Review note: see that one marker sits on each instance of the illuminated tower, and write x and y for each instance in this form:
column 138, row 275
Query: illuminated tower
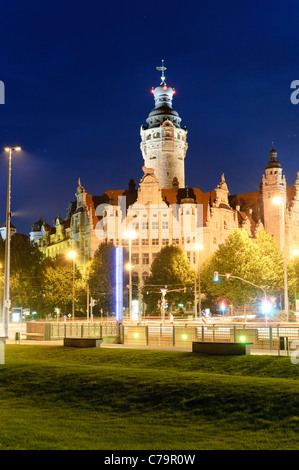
column 274, row 187
column 163, row 141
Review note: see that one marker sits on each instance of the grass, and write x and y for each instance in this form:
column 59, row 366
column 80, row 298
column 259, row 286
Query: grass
column 104, row 398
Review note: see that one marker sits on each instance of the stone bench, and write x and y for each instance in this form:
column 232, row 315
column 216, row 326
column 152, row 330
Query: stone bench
column 221, row 349
column 82, row 342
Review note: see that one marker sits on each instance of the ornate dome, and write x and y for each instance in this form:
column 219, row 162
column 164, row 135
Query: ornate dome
column 273, row 163
column 163, row 108
column 163, row 111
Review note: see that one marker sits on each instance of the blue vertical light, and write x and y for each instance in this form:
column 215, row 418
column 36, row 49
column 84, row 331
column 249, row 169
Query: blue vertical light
column 119, row 283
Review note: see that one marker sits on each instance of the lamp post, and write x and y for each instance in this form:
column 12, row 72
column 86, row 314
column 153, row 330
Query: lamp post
column 198, row 248
column 6, row 299
column 280, row 201
column 72, row 254
column 130, row 234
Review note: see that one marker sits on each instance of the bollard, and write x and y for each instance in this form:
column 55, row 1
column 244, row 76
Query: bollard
column 235, row 334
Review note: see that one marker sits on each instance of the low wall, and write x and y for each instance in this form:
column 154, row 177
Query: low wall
column 221, row 349
column 82, row 342
column 37, row 330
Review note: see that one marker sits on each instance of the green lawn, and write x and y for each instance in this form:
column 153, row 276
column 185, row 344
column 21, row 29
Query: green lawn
column 120, row 399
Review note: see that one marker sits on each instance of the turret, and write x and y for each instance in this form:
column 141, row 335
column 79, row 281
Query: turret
column 163, row 141
column 274, row 190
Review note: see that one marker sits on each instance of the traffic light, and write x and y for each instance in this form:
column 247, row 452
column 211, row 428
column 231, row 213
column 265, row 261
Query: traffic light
column 216, row 276
column 266, row 306
column 222, row 306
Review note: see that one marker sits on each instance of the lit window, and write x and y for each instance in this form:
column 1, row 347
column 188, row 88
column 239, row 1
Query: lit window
column 135, row 259
column 145, row 258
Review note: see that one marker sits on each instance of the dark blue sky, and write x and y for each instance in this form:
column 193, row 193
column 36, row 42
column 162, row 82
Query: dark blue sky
column 78, row 77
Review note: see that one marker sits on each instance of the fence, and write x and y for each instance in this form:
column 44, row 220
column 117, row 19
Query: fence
column 261, row 336
column 61, row 330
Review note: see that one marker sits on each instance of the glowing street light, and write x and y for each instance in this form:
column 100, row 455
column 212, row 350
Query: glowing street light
column 266, row 308
column 72, row 255
column 130, row 234
column 6, row 299
column 277, row 200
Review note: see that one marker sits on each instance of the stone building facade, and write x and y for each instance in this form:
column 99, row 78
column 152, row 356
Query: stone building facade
column 162, row 210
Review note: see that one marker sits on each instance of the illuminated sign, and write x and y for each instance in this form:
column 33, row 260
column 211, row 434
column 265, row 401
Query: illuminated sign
column 119, row 283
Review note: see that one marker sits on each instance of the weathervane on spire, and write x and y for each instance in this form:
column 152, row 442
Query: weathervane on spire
column 162, row 69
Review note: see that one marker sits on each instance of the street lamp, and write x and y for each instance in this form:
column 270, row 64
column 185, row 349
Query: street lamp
column 130, row 234
column 280, row 201
column 198, row 249
column 6, row 299
column 72, row 255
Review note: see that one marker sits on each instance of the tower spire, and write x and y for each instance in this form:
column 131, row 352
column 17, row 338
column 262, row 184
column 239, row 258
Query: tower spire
column 162, row 69
column 163, row 142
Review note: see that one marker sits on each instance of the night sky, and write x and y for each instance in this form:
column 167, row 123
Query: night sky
column 78, row 77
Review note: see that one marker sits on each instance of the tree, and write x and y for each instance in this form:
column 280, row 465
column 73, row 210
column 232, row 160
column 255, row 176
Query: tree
column 57, row 287
column 170, row 268
column 270, row 267
column 259, row 262
column 25, row 271
column 101, row 277
column 293, row 279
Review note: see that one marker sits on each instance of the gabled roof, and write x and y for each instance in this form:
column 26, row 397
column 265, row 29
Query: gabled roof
column 11, row 225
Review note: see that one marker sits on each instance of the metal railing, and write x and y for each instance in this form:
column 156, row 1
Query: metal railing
column 262, row 337
column 62, row 330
